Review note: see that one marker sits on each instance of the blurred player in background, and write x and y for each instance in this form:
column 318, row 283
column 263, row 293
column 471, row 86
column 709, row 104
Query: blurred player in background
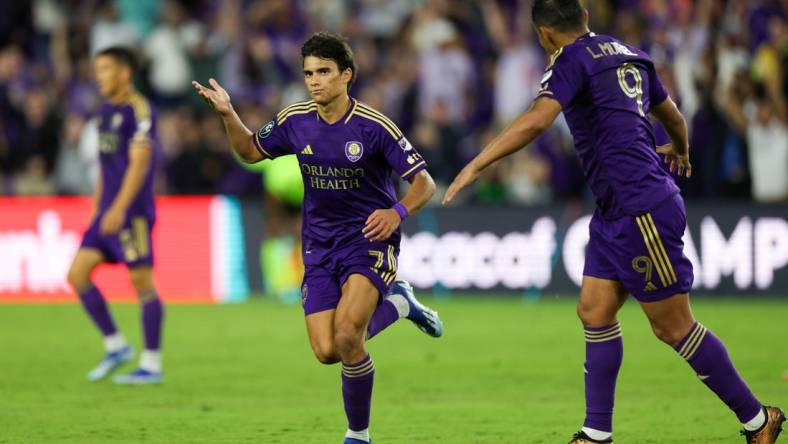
column 124, row 213
column 351, row 216
column 280, row 249
column 606, row 90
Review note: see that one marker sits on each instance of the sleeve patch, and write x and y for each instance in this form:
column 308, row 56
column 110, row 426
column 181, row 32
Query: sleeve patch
column 143, row 126
column 266, row 130
column 142, row 134
column 547, row 76
column 405, row 144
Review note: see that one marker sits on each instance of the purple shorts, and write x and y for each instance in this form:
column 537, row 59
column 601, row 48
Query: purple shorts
column 131, row 245
column 322, row 285
column 644, row 253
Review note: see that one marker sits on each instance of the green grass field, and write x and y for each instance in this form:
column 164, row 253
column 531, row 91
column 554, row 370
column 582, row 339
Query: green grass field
column 505, row 372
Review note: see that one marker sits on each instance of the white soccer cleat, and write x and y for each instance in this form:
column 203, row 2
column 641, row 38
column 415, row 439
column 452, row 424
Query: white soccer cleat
column 111, row 362
column 139, row 376
column 425, row 318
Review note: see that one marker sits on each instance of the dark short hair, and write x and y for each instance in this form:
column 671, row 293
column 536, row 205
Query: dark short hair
column 331, row 47
column 122, row 55
column 563, row 15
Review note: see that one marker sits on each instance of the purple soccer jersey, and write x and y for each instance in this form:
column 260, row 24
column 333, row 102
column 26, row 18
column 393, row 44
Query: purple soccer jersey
column 606, row 90
column 346, row 167
column 120, row 125
column 347, row 171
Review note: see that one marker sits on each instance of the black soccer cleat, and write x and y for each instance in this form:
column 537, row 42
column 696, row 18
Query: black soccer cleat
column 581, row 438
column 770, row 429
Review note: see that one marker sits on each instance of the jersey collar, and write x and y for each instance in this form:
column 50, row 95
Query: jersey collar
column 345, row 117
column 587, row 35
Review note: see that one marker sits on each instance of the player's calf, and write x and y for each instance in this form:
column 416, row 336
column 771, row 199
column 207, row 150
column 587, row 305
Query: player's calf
column 357, row 381
column 707, row 356
column 150, row 366
column 358, row 374
column 96, row 307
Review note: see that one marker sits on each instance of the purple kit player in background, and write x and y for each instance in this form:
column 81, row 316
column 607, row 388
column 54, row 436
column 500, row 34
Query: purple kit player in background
column 347, row 152
column 606, row 90
column 124, row 213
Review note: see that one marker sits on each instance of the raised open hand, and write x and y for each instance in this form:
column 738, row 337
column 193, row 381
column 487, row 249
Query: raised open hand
column 216, row 97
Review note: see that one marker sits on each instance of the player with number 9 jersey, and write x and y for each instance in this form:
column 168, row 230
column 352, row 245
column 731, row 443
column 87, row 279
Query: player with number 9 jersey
column 606, row 89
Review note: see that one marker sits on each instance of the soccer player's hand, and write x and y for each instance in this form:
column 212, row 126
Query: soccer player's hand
column 467, row 176
column 216, row 97
column 678, row 162
column 380, row 224
column 112, row 221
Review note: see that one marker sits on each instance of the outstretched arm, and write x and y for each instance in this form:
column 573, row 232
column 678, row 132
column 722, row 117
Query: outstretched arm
column 520, row 133
column 381, row 223
column 677, row 152
column 239, row 135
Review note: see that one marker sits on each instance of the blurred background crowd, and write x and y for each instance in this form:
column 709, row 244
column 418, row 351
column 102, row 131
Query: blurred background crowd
column 451, row 73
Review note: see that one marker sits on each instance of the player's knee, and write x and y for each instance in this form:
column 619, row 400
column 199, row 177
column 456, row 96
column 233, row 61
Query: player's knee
column 324, row 350
column 78, row 280
column 326, row 355
column 142, row 283
column 150, row 296
column 667, row 334
column 590, row 314
column 584, row 312
column 348, row 337
column 594, row 315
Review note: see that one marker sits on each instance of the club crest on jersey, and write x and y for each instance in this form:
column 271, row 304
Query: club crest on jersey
column 404, row 144
column 354, row 150
column 117, row 120
column 266, row 130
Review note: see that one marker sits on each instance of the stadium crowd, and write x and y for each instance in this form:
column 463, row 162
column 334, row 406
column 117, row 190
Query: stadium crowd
column 451, row 73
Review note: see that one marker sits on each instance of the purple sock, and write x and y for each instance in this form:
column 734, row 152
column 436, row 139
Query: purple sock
column 707, row 356
column 385, row 315
column 604, row 352
column 152, row 317
column 96, row 306
column 357, row 392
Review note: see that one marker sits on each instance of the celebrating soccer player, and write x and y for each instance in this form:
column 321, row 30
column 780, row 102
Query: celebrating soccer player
column 124, row 213
column 346, row 151
column 607, row 90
